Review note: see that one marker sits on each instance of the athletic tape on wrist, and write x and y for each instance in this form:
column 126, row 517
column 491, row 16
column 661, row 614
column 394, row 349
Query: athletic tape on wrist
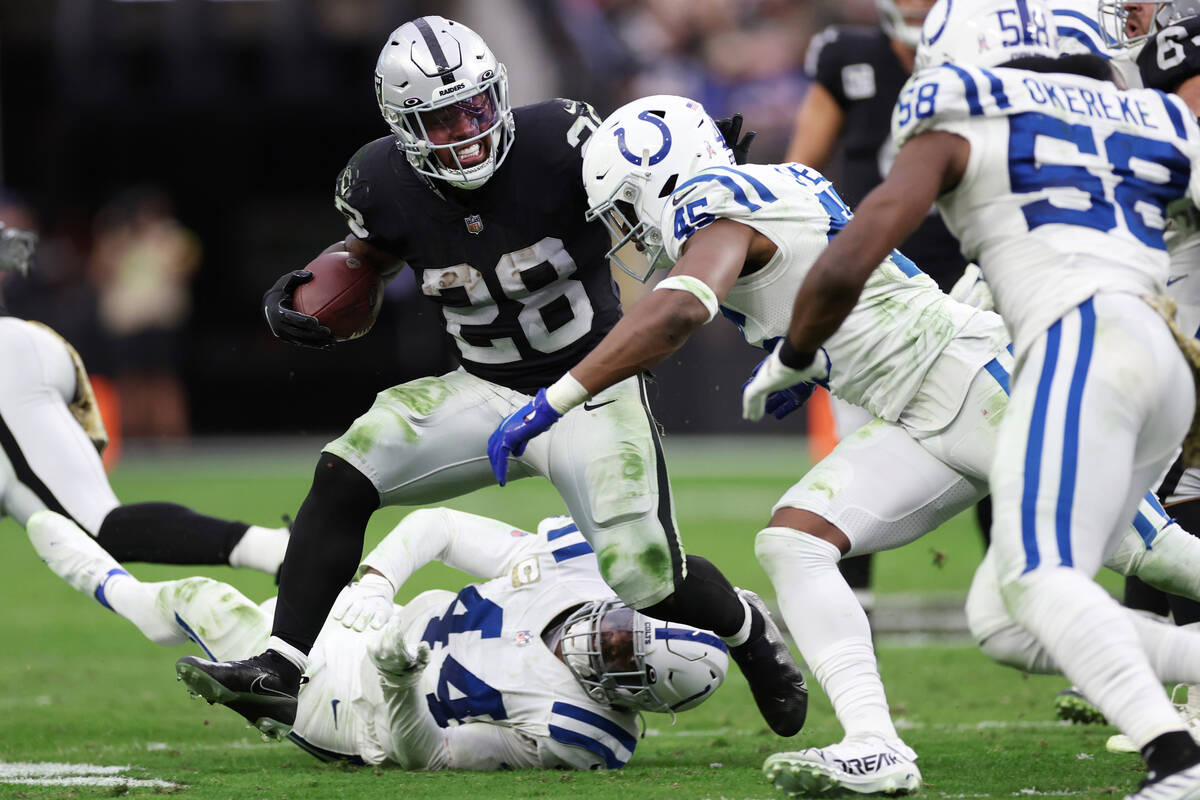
column 695, row 287
column 566, row 393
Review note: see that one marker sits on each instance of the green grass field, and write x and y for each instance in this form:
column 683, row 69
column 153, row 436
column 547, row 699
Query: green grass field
column 79, row 686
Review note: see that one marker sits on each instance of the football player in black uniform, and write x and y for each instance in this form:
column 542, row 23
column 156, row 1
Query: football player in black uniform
column 486, row 205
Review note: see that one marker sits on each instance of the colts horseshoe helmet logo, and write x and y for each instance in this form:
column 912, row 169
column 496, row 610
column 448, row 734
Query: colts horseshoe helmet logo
column 653, row 119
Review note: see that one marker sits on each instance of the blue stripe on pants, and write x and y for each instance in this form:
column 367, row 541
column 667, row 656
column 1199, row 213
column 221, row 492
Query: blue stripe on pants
column 1033, row 449
column 1070, row 456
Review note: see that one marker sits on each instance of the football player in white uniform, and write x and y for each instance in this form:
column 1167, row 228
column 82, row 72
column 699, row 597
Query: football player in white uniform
column 51, row 438
column 540, row 666
column 933, row 371
column 1057, row 186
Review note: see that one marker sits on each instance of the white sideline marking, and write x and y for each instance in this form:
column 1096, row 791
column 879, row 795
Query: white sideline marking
column 49, row 773
column 94, row 780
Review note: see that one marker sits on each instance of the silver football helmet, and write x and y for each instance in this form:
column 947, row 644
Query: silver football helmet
column 637, row 157
column 445, row 97
column 902, row 24
column 625, row 659
column 986, row 33
column 1148, row 20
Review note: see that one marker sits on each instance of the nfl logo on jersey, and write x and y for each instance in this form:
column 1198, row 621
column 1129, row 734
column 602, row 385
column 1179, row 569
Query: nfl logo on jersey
column 474, row 223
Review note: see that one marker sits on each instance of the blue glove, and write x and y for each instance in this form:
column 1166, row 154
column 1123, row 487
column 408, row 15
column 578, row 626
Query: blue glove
column 782, row 402
column 514, row 433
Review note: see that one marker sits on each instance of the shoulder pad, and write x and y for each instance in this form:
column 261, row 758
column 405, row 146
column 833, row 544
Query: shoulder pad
column 715, row 192
column 944, row 94
column 817, row 45
column 1172, row 56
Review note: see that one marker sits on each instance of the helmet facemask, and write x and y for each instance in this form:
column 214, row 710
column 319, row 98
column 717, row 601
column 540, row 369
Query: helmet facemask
column 437, row 137
column 1114, row 19
column 604, row 645
column 901, row 24
column 625, row 225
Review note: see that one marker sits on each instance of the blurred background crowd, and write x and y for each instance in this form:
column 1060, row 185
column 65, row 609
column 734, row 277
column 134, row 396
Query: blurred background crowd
column 176, row 156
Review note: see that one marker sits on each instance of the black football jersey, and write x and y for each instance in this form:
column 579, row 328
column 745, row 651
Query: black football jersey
column 859, row 68
column 523, row 281
column 1172, row 56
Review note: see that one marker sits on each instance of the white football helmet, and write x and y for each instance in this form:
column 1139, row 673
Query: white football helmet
column 902, row 24
column 625, row 659
column 445, row 97
column 986, row 33
column 1114, row 16
column 636, row 159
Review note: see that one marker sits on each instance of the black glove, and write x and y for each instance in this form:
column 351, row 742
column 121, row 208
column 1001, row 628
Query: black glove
column 731, row 128
column 289, row 324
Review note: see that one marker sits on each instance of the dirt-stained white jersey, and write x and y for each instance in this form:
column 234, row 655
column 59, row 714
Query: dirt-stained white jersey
column 488, row 662
column 1067, row 185
column 903, row 332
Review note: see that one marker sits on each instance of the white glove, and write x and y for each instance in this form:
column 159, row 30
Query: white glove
column 773, row 375
column 973, row 290
column 392, row 656
column 367, row 602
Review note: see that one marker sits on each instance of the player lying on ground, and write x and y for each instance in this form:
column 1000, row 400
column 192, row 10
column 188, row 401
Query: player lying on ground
column 1063, row 206
column 482, row 204
column 51, row 438
column 541, row 666
column 934, row 372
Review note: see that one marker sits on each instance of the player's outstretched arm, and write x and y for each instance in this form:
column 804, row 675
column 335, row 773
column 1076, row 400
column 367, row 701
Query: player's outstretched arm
column 478, row 546
column 655, row 327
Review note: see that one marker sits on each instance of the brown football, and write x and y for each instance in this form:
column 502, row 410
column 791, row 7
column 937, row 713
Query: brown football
column 344, row 298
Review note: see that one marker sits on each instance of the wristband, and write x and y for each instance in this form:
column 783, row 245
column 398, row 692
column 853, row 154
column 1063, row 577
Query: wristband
column 566, row 393
column 792, row 358
column 695, row 287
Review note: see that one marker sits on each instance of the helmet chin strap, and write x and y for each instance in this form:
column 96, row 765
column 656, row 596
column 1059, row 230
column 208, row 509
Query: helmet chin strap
column 462, row 179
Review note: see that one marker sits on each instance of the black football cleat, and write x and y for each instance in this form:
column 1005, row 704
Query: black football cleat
column 774, row 677
column 262, row 689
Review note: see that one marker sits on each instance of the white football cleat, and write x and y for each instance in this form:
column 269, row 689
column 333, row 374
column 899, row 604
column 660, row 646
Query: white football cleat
column 1189, row 713
column 1182, row 785
column 867, row 765
column 72, row 554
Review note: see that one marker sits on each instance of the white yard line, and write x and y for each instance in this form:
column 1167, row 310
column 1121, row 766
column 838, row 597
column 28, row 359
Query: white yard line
column 49, row 773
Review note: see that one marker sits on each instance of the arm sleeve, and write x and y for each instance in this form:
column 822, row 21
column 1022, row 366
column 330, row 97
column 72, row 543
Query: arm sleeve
column 476, row 545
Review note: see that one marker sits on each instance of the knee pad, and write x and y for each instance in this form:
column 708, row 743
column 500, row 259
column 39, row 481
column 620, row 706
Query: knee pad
column 216, row 616
column 778, row 548
column 641, row 572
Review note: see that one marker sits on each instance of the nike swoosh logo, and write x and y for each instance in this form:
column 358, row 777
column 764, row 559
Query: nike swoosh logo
column 1175, row 279
column 587, row 407
column 334, row 703
column 600, row 177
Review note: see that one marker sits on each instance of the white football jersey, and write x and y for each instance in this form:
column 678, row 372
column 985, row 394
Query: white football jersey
column 1066, row 187
column 488, row 662
column 904, row 335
